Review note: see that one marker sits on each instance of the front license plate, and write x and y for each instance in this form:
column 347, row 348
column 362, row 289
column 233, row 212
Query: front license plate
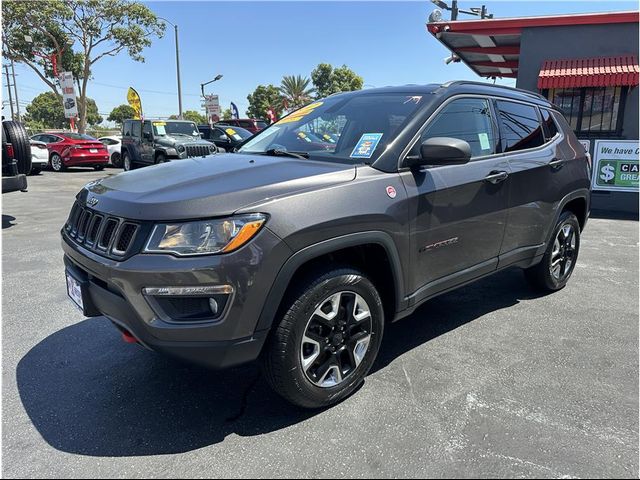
column 93, row 150
column 74, row 290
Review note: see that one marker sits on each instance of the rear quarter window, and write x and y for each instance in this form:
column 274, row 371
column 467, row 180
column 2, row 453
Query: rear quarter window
column 549, row 124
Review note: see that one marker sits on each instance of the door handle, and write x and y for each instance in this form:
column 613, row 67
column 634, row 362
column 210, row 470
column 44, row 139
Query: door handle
column 496, row 177
column 556, row 163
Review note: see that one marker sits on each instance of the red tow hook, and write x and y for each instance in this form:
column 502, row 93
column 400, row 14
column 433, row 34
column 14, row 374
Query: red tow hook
column 128, row 338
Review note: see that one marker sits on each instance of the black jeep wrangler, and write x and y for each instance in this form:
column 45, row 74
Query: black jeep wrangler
column 16, row 157
column 150, row 142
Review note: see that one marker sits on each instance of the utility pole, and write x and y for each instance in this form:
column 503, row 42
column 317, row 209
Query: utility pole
column 6, row 72
column 15, row 89
column 178, row 74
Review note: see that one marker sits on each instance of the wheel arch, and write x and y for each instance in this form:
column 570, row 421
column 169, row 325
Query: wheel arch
column 341, row 247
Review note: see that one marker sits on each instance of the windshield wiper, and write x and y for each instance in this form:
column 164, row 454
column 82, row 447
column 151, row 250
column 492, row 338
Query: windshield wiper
column 274, row 152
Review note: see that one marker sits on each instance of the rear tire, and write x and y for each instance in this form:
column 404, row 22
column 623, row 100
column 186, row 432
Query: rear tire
column 326, row 339
column 57, row 165
column 559, row 260
column 18, row 138
column 35, row 171
column 116, row 160
column 127, row 163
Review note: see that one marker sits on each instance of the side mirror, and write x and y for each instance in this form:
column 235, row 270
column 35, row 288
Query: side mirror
column 201, row 135
column 147, row 135
column 440, row 151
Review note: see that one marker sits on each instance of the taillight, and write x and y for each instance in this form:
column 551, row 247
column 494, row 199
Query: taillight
column 10, row 151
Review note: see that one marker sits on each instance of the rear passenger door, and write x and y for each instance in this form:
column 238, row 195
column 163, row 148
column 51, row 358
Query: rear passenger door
column 536, row 175
column 458, row 212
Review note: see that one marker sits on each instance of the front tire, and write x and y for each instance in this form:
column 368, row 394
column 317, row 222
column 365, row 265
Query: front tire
column 161, row 158
column 57, row 165
column 327, row 338
column 557, row 264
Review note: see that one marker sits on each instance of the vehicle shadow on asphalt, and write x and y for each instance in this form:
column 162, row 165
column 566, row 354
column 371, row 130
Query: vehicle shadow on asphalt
column 88, row 393
column 7, row 221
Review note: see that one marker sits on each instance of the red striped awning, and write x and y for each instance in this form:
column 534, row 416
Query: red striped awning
column 590, row 72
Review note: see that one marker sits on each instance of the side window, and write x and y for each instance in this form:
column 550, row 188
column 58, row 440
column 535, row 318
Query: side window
column 520, row 126
column 550, row 127
column 246, row 124
column 53, row 139
column 218, row 134
column 37, row 138
column 468, row 119
column 146, row 129
column 126, row 128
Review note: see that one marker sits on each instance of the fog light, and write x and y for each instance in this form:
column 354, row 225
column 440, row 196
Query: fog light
column 213, row 305
column 189, row 304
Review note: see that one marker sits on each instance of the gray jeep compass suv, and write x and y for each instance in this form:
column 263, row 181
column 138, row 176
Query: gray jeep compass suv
column 344, row 215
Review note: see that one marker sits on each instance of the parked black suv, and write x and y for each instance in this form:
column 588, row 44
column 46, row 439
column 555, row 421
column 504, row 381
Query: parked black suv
column 226, row 138
column 150, row 142
column 299, row 257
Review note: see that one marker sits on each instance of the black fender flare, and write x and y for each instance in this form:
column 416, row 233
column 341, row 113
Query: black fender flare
column 284, row 276
column 584, row 194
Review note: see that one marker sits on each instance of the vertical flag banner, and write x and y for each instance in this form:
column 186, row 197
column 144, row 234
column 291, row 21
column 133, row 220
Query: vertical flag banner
column 68, row 95
column 234, row 111
column 134, row 102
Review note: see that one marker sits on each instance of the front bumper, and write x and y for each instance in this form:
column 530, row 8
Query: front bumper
column 115, row 290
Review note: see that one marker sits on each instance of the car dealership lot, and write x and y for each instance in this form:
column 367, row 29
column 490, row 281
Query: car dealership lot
column 490, row 380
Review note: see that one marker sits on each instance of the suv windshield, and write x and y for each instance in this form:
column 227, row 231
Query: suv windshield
column 354, row 129
column 175, row 128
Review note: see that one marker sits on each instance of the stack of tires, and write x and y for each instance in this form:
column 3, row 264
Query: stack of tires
column 16, row 156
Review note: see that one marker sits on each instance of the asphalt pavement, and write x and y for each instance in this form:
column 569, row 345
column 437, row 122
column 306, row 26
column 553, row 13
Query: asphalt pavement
column 489, row 381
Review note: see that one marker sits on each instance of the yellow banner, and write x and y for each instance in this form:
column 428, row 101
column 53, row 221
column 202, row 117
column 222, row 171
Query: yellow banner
column 134, row 102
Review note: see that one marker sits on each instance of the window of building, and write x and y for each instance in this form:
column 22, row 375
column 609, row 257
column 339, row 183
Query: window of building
column 520, row 126
column 591, row 111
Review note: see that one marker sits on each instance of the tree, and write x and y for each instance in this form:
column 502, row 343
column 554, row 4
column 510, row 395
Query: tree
column 97, row 28
column 46, row 110
column 227, row 114
column 192, row 116
column 328, row 80
column 121, row 113
column 262, row 99
column 295, row 91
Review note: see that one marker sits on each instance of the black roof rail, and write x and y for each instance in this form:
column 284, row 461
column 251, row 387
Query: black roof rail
column 484, row 84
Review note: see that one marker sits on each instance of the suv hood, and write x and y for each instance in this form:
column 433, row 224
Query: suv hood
column 171, row 141
column 210, row 186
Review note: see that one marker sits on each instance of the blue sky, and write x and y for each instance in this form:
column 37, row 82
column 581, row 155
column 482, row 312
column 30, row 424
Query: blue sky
column 254, row 43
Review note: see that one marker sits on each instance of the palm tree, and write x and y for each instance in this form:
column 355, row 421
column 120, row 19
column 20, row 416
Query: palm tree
column 295, row 91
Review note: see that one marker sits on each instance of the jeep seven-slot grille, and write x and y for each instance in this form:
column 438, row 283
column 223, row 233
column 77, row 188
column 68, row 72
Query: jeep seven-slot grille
column 197, row 150
column 103, row 234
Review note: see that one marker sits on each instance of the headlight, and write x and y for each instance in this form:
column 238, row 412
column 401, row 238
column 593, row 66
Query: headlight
column 212, row 148
column 205, row 236
column 181, row 148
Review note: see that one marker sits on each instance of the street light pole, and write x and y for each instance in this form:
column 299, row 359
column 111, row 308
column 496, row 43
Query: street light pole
column 15, row 89
column 175, row 30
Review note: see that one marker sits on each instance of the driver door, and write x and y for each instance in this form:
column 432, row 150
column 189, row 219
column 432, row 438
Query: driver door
column 458, row 213
column 146, row 146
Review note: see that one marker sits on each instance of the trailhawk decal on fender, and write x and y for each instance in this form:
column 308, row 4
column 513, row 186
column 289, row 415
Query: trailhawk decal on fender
column 443, row 243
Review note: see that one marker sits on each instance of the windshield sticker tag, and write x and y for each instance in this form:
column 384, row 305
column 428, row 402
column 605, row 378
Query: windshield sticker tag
column 484, row 141
column 300, row 114
column 366, row 145
column 157, row 124
column 230, row 131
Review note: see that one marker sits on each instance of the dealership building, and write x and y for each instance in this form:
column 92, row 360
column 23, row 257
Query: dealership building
column 586, row 64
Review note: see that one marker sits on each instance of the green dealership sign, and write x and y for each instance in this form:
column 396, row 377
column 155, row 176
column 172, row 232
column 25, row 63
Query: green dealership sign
column 615, row 165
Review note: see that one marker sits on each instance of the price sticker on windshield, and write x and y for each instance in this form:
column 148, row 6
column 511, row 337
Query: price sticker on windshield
column 159, row 124
column 366, row 145
column 300, row 114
